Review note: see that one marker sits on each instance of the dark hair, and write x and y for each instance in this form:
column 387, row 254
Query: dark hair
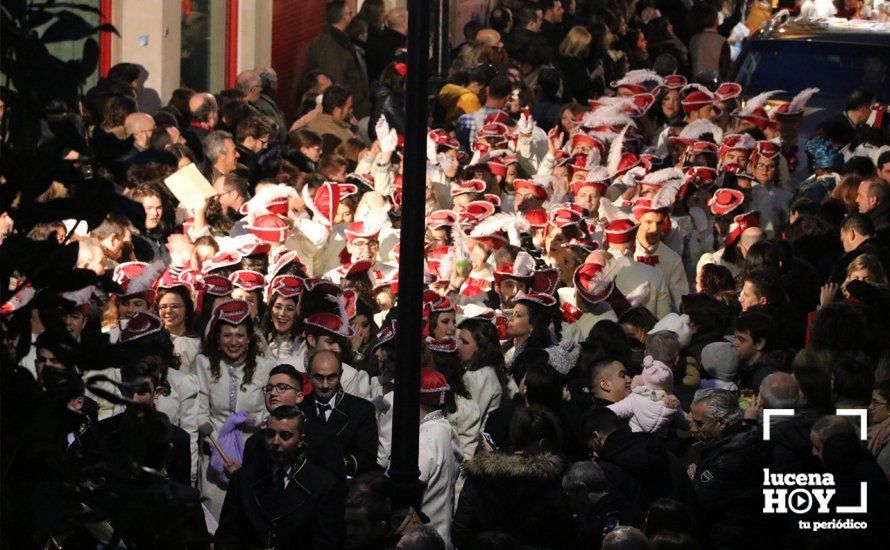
column 815, row 385
column 853, row 381
column 268, row 327
column 883, row 159
column 762, row 255
column 761, row 326
column 215, row 354
column 187, row 302
column 334, row 97
column 543, row 385
column 499, row 87
column 149, row 366
column 499, row 19
column 767, row 285
column 253, row 126
column 638, row 317
column 841, row 453
column 600, row 419
column 540, row 318
column 667, row 514
column 611, row 340
column 716, row 278
column 860, row 223
column 333, row 11
column 672, row 540
column 124, row 73
column 705, row 311
column 376, row 507
column 449, row 365
column 838, row 326
column 290, row 372
column 525, row 15
column 116, row 110
column 535, row 430
column 392, row 79
column 858, row 99
column 286, row 412
column 859, row 166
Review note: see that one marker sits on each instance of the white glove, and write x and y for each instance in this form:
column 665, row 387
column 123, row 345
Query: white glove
column 446, row 162
column 526, row 124
column 388, row 141
column 382, row 127
column 430, row 150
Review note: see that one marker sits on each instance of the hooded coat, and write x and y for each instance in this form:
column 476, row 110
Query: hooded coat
column 516, row 493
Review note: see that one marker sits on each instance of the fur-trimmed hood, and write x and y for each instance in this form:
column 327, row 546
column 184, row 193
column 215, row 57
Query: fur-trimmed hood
column 544, row 466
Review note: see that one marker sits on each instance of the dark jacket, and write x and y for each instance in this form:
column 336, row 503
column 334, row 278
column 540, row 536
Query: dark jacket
column 194, row 138
column 880, row 217
column 642, row 468
column 125, row 438
column 537, row 514
column 575, row 78
column 351, row 431
column 792, row 449
column 389, row 104
column 332, row 53
column 381, row 50
column 750, row 376
column 728, row 485
column 874, row 246
column 310, row 513
column 249, row 165
column 597, row 520
column 523, row 40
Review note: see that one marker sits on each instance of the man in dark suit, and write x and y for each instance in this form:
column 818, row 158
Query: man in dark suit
column 287, row 502
column 141, row 435
column 338, row 421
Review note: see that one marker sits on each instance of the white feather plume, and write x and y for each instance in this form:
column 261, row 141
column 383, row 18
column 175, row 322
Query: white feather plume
column 597, row 173
column 79, row 297
column 609, row 115
column 612, row 213
column 800, row 100
column 524, row 264
column 638, row 76
column 512, row 224
column 615, row 151
column 757, row 102
column 695, row 130
column 698, row 87
column 664, row 198
column 341, row 310
column 665, row 176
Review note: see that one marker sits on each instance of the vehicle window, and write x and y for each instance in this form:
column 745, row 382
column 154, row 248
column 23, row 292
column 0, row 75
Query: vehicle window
column 835, row 68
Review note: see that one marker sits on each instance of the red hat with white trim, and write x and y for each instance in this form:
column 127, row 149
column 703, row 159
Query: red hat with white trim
column 492, row 198
column 492, row 130
column 590, row 283
column 436, row 303
column 273, row 199
column 390, row 280
column 356, row 268
column 582, row 138
column 479, row 209
column 361, row 230
column 170, row 280
column 327, row 324
column 282, row 259
column 433, row 387
column 639, row 81
column 765, row 149
column 248, row 280
column 253, row 247
column 222, row 260
column 736, row 142
column 217, row 285
column 753, row 110
column 696, row 131
column 728, row 90
column 620, row 231
column 538, row 299
column 322, row 286
column 469, row 186
column 348, row 190
column 126, row 271
column 230, row 312
column 674, row 82
column 444, row 345
column 325, row 203
column 702, row 178
column 441, row 218
column 537, row 189
column 640, row 104
column 286, row 286
column 546, row 281
column 271, row 228
column 360, row 180
column 137, row 279
column 140, row 325
column 521, row 269
column 725, row 201
column 385, row 335
column 537, row 218
column 740, row 223
column 350, row 304
column 794, row 107
column 498, row 167
column 498, row 117
column 563, row 215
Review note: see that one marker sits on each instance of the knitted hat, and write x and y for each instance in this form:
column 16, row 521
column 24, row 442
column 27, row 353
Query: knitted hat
column 720, row 360
column 656, row 375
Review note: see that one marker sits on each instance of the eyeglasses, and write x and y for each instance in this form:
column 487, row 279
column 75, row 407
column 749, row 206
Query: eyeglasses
column 281, row 387
column 365, row 244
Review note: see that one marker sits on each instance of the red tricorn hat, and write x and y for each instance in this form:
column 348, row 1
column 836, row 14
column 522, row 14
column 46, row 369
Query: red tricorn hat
column 538, row 190
column 620, row 231
column 444, row 345
column 231, row 312
column 740, row 223
column 522, row 269
column 590, row 284
column 537, row 218
column 248, row 280
column 469, row 186
column 286, row 286
column 441, row 218
column 327, row 324
column 361, row 230
column 539, row 299
column 140, row 325
column 433, row 387
column 269, row 227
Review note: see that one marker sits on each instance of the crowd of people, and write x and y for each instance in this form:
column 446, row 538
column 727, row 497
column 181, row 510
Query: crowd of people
column 626, row 263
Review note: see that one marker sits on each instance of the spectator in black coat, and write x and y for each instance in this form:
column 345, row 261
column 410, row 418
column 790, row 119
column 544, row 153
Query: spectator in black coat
column 598, row 509
column 529, row 479
column 858, row 238
column 727, row 476
column 526, row 34
column 388, row 97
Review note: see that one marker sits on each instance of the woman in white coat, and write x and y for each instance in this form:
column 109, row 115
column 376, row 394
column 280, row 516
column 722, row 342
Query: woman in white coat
column 231, row 375
column 177, row 311
column 484, row 374
column 461, row 411
column 280, row 327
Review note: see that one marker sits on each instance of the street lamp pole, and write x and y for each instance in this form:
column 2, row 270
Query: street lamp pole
column 403, row 471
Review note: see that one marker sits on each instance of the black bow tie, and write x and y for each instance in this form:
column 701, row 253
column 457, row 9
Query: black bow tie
column 323, row 408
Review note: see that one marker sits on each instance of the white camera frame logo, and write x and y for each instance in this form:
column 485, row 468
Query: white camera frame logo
column 862, row 414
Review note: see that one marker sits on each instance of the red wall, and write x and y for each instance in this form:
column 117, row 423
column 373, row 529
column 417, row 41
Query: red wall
column 294, row 24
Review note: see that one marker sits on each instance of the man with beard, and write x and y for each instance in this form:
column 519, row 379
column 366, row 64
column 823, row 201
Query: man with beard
column 221, row 211
column 362, row 245
column 650, row 249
